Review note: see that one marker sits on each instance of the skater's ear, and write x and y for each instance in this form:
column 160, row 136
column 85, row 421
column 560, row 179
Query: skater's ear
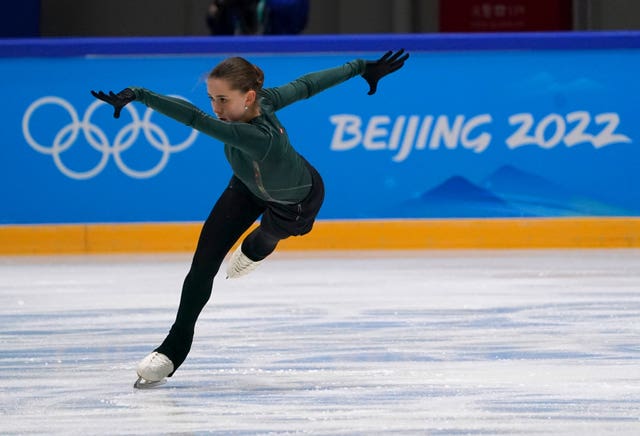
column 250, row 98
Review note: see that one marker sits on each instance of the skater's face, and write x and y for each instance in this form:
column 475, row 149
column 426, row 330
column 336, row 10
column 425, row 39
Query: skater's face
column 230, row 104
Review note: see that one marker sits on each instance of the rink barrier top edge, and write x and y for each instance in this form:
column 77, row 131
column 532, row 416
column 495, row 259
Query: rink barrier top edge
column 203, row 45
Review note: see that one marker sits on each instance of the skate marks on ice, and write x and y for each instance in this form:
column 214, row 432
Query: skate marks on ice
column 413, row 343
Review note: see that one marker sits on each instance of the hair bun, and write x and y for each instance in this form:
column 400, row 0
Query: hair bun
column 259, row 77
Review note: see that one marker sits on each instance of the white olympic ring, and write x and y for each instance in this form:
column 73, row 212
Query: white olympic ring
column 98, row 140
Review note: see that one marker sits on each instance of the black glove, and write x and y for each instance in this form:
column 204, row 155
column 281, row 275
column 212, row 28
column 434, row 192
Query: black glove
column 118, row 101
column 387, row 64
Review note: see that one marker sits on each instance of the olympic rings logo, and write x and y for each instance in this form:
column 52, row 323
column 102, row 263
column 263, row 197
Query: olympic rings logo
column 98, row 140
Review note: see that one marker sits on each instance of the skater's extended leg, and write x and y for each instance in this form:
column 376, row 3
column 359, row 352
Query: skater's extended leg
column 231, row 216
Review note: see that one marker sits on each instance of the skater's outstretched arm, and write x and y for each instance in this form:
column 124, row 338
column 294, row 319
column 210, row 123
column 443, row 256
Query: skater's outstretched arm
column 313, row 83
column 250, row 138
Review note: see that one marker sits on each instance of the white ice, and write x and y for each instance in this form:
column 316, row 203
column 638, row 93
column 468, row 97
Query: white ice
column 436, row 342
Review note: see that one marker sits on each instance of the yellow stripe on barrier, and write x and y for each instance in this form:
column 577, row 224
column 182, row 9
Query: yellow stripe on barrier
column 587, row 232
column 470, row 234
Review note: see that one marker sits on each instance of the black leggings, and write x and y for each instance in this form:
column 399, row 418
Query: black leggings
column 234, row 212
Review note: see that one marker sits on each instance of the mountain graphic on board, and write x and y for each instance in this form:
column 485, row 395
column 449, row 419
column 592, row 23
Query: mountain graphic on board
column 535, row 195
column 456, row 197
column 509, row 179
column 507, row 192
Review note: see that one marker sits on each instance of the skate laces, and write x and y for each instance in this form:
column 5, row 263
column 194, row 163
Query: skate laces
column 240, row 265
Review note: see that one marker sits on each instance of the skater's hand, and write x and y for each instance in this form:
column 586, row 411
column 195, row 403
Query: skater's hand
column 387, row 64
column 118, row 101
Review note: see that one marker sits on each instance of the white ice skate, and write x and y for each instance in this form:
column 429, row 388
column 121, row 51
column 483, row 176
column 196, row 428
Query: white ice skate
column 153, row 370
column 240, row 265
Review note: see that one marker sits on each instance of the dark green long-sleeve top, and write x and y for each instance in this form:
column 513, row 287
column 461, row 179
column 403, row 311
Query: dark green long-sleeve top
column 259, row 151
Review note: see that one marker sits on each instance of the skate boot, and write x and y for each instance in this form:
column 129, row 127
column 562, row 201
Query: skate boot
column 240, row 265
column 152, row 370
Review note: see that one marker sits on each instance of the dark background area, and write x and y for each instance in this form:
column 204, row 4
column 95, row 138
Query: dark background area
column 54, row 18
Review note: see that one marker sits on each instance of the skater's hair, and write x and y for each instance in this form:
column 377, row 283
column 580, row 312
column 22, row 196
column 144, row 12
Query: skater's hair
column 240, row 73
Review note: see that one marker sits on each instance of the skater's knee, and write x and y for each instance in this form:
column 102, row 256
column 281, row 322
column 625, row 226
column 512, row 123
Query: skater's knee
column 259, row 244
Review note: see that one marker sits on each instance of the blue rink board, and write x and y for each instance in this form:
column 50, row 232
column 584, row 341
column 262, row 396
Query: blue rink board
column 473, row 126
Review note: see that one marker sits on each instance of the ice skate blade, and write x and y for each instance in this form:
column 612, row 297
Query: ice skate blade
column 144, row 384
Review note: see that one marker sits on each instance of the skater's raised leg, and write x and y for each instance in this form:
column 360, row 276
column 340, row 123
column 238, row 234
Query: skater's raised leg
column 250, row 254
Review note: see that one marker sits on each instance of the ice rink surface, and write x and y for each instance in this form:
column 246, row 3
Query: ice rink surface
column 436, row 343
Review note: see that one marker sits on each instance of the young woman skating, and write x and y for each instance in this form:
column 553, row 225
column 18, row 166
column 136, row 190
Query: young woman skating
column 270, row 179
